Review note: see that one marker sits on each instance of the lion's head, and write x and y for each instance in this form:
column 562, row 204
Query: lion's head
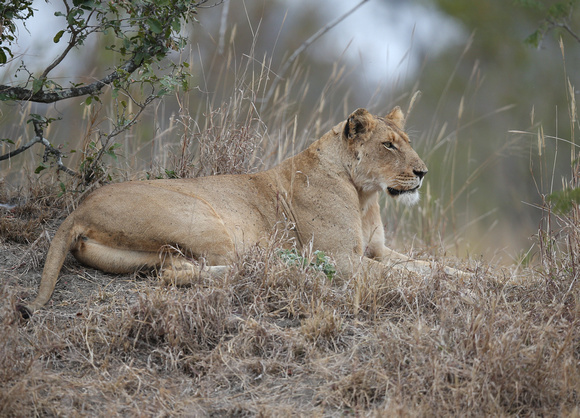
column 383, row 157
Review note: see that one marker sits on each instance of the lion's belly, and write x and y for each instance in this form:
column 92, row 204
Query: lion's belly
column 147, row 216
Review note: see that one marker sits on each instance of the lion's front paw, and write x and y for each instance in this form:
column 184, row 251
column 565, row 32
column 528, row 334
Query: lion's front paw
column 457, row 273
column 179, row 274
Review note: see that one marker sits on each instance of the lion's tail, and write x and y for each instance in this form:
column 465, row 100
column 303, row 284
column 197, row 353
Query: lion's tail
column 60, row 246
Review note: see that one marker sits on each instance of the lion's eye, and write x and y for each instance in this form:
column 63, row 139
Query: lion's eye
column 389, row 145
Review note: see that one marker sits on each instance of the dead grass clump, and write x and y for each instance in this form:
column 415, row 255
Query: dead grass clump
column 324, row 328
column 264, row 282
column 190, row 322
column 227, row 148
column 272, row 338
column 15, row 358
column 25, row 213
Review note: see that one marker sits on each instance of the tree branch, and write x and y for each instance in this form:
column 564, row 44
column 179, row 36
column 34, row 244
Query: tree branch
column 570, row 31
column 21, row 149
column 71, row 44
column 24, row 94
column 48, row 149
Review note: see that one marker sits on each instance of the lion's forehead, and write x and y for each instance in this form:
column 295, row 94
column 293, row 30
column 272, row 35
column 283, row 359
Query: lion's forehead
column 389, row 132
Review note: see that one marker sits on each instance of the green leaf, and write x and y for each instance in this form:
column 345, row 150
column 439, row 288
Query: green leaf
column 36, row 117
column 155, row 25
column 176, row 25
column 534, row 39
column 171, row 174
column 58, row 36
column 558, row 10
column 112, row 155
column 37, row 85
column 7, row 140
column 39, row 169
column 3, row 58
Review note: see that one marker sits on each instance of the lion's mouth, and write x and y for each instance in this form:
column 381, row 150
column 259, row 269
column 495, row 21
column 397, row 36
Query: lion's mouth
column 397, row 192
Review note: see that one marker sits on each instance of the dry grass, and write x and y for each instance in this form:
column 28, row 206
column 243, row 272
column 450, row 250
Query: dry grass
column 271, row 339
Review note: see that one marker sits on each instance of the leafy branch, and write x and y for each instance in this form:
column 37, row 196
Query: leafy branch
column 39, row 124
column 144, row 33
column 558, row 16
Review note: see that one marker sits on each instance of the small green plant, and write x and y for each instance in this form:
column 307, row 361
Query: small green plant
column 563, row 200
column 321, row 262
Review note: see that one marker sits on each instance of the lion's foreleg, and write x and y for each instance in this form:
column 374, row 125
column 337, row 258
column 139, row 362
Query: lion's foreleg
column 400, row 261
column 179, row 271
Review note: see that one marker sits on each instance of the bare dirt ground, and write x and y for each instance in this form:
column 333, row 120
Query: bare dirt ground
column 275, row 340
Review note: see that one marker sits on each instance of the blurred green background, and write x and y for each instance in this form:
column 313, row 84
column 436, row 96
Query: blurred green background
column 485, row 95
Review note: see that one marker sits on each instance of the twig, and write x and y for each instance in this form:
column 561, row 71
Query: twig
column 48, row 149
column 72, row 43
column 120, row 129
column 21, row 149
column 569, row 30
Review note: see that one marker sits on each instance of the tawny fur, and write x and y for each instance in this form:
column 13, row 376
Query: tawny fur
column 329, row 193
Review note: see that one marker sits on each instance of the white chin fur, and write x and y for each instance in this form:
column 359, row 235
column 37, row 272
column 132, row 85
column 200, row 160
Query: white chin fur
column 409, row 199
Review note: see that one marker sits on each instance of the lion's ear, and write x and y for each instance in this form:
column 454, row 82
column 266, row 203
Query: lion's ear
column 359, row 122
column 397, row 117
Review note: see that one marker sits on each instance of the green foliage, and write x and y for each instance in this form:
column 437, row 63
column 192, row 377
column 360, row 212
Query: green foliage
column 41, row 120
column 10, row 12
column 564, row 200
column 556, row 15
column 92, row 167
column 167, row 174
column 142, row 32
column 321, row 261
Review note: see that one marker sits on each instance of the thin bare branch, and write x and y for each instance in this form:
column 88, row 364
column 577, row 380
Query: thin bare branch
column 48, row 149
column 21, row 149
column 119, row 129
column 570, row 31
column 72, row 43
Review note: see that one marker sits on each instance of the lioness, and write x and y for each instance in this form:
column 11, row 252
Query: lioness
column 329, row 193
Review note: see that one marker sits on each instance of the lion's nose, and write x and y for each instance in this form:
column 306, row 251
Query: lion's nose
column 420, row 173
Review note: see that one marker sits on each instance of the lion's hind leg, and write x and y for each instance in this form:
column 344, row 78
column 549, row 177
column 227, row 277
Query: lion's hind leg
column 173, row 268
column 109, row 259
